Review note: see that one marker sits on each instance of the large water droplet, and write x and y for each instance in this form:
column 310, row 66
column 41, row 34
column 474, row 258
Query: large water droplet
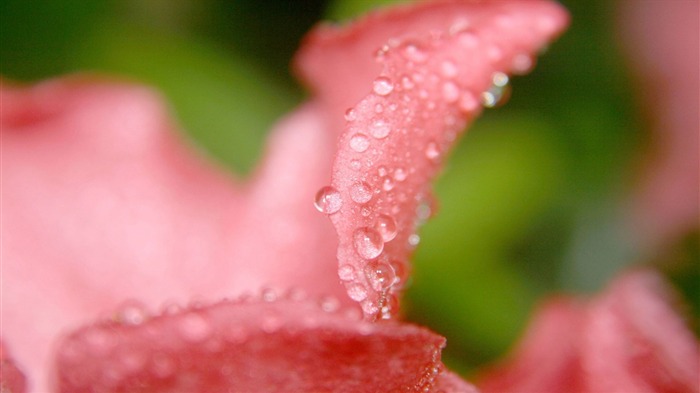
column 359, row 142
column 328, row 200
column 193, row 327
column 357, row 292
column 382, row 86
column 361, row 192
column 346, row 273
column 379, row 129
column 368, row 242
column 381, row 275
column 498, row 92
column 386, row 226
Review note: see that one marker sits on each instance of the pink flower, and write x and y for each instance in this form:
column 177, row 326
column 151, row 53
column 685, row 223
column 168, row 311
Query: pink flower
column 106, row 215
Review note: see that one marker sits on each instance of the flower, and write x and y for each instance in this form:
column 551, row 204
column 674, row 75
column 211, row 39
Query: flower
column 106, row 210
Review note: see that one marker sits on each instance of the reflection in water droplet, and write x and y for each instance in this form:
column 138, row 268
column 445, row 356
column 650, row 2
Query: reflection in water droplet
column 498, row 92
column 361, row 192
column 357, row 292
column 346, row 273
column 328, row 200
column 368, row 242
column 386, row 226
column 381, row 275
column 359, row 142
column 382, row 86
column 379, row 129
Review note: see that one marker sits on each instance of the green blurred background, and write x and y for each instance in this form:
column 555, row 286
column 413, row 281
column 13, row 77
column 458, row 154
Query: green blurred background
column 535, row 192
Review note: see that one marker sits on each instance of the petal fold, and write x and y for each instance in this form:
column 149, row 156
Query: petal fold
column 412, row 78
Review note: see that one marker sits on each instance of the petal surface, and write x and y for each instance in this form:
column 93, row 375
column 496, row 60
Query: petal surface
column 629, row 339
column 103, row 202
column 412, row 78
column 255, row 345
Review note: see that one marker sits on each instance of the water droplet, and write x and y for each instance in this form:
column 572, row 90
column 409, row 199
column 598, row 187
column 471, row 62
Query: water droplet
column 382, row 86
column 357, row 292
column 328, row 200
column 355, row 165
column 269, row 295
column 329, row 304
column 432, row 151
column 413, row 240
column 370, row 308
column 359, row 142
column 361, row 192
column 379, row 108
column 386, row 226
column 350, row 114
column 450, row 92
column 379, row 129
column 382, row 171
column 346, row 273
column 387, row 184
column 132, row 313
column 390, row 306
column 498, row 92
column 468, row 39
column 522, row 64
column 448, row 69
column 407, row 83
column 365, row 211
column 414, row 53
column 194, row 328
column 400, row 174
column 381, row 275
column 368, row 242
column 423, row 212
column 468, row 103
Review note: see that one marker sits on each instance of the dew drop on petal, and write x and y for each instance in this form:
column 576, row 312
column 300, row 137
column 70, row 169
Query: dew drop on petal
column 329, row 304
column 388, row 184
column 355, row 165
column 448, row 69
column 328, row 200
column 132, row 313
column 194, row 328
column 468, row 103
column 361, row 192
column 379, row 129
column 357, row 292
column 346, row 273
column 414, row 53
column 269, row 295
column 350, row 114
column 522, row 64
column 450, row 92
column 359, row 142
column 386, row 226
column 381, row 275
column 370, row 308
column 432, row 151
column 498, row 92
column 382, row 86
column 368, row 242
column 382, row 171
column 400, row 174
column 414, row 240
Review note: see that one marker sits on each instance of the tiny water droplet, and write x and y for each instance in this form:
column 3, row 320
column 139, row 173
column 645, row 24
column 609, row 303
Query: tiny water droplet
column 414, row 240
column 269, row 295
column 450, row 92
column 382, row 86
column 328, row 200
column 359, row 142
column 361, row 192
column 132, row 313
column 329, row 304
column 357, row 292
column 468, row 103
column 382, row 171
column 400, row 174
column 522, row 64
column 448, row 69
column 498, row 92
column 346, row 273
column 414, row 53
column 355, row 165
column 368, row 242
column 194, row 328
column 432, row 151
column 381, row 275
column 379, row 129
column 386, row 226
column 370, row 308
column 387, row 184
column 379, row 108
column 350, row 114
column 407, row 83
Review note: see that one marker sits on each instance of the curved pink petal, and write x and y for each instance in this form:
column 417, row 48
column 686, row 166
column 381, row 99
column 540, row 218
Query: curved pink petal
column 663, row 40
column 102, row 203
column 431, row 64
column 629, row 339
column 12, row 378
column 254, row 345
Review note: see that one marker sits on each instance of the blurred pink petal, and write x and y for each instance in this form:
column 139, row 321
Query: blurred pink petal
column 628, row 339
column 663, row 40
column 405, row 107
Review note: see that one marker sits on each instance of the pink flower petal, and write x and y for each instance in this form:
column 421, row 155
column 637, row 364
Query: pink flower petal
column 629, row 339
column 103, row 203
column 11, row 377
column 256, row 345
column 432, row 63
